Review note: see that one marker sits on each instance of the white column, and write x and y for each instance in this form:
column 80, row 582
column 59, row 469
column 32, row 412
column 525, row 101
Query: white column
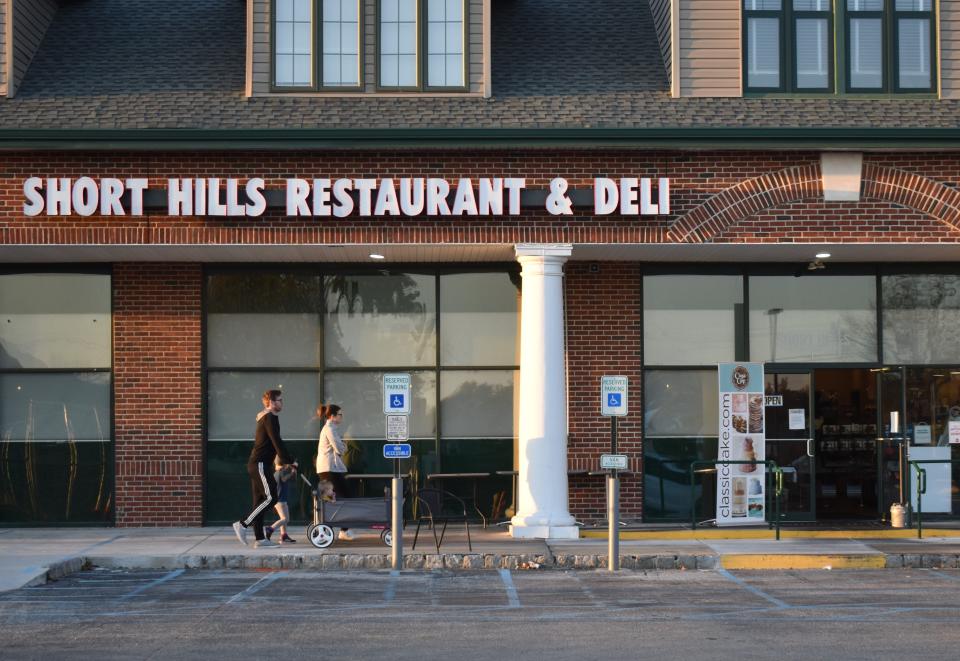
column 543, row 511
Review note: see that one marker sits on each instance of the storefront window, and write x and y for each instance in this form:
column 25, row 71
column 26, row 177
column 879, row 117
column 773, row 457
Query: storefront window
column 681, row 403
column 681, row 425
column 479, row 319
column 478, row 404
column 816, row 319
column 330, row 338
column 54, row 320
column 264, row 320
column 234, row 400
column 380, row 320
column 921, row 315
column 361, row 395
column 690, row 319
column 55, row 418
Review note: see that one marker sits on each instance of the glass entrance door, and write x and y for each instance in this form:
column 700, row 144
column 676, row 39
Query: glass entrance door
column 890, row 441
column 790, row 441
column 848, row 405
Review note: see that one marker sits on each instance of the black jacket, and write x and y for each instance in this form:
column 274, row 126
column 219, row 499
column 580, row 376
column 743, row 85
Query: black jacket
column 267, row 443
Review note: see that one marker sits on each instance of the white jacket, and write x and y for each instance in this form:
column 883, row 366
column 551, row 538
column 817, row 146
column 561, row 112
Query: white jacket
column 330, row 450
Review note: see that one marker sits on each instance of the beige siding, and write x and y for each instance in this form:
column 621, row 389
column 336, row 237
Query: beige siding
column 660, row 9
column 31, row 18
column 3, row 47
column 710, row 48
column 261, row 73
column 261, row 46
column 950, row 50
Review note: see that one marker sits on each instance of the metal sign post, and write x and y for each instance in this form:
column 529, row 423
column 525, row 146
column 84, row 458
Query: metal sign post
column 396, row 406
column 613, row 403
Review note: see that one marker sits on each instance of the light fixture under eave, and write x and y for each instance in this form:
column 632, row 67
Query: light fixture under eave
column 822, row 255
column 374, row 255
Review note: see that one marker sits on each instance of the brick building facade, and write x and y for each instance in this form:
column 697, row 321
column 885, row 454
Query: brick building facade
column 758, row 187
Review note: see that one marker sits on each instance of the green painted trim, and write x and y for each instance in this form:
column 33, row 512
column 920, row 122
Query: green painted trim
column 810, row 139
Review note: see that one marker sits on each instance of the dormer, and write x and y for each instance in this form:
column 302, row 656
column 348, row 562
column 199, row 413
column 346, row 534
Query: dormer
column 815, row 48
column 368, row 47
column 23, row 23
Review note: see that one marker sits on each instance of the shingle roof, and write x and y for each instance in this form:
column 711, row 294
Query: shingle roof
column 129, row 64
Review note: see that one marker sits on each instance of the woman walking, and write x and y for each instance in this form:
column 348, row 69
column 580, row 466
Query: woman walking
column 330, row 451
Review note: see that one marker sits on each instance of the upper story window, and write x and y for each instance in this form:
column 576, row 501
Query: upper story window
column 316, row 44
column 882, row 46
column 421, row 44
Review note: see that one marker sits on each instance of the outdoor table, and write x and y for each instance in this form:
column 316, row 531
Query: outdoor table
column 441, row 477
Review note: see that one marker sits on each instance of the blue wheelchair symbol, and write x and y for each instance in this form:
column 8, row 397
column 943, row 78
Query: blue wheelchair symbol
column 613, row 399
column 396, row 401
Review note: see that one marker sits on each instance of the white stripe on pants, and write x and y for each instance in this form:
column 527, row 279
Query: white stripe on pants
column 266, row 490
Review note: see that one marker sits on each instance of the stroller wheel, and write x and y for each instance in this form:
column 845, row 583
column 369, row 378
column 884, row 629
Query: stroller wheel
column 387, row 537
column 320, row 535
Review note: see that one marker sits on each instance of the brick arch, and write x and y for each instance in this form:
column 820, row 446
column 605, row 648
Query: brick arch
column 912, row 191
column 708, row 220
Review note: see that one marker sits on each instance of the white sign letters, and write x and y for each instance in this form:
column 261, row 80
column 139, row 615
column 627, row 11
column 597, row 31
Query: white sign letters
column 338, row 198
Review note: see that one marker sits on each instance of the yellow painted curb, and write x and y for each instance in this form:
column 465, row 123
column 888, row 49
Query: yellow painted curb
column 764, row 533
column 788, row 561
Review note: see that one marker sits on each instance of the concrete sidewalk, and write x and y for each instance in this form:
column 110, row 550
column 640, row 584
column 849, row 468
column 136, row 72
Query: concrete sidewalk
column 30, row 556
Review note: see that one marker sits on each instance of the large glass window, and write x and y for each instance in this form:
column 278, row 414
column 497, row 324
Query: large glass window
column 479, row 317
column 690, row 319
column 813, row 319
column 681, row 413
column 330, row 338
column 921, row 315
column 55, row 413
column 387, row 319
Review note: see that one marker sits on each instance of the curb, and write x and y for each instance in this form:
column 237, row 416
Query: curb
column 495, row 561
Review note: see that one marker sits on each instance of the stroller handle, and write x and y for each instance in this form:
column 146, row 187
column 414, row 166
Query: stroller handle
column 303, row 477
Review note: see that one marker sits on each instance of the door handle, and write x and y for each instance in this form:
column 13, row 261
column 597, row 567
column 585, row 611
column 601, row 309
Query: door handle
column 809, row 447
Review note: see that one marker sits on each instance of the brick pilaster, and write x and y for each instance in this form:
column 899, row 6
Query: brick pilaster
column 157, row 407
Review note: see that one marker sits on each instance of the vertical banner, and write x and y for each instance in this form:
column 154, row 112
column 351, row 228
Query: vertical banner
column 741, row 487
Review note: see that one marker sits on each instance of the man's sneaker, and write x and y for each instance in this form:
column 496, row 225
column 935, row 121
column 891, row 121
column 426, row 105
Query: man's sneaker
column 287, row 539
column 346, row 535
column 264, row 543
column 240, row 532
column 268, row 531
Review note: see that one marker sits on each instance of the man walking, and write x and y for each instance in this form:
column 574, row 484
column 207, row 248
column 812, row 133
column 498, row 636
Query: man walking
column 267, row 445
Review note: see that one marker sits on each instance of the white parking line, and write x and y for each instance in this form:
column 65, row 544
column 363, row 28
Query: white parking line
column 512, row 598
column 256, row 587
column 746, row 586
column 143, row 588
column 391, row 591
column 943, row 575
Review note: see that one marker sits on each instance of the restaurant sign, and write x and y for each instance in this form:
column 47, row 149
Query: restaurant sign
column 339, row 198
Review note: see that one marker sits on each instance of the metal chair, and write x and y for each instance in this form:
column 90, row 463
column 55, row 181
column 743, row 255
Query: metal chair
column 438, row 506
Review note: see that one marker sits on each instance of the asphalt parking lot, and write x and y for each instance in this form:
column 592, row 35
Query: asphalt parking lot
column 108, row 614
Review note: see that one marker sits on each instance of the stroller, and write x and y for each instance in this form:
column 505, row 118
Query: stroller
column 373, row 513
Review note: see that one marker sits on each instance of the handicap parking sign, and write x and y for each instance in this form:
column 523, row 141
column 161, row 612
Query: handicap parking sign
column 613, row 395
column 396, row 393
